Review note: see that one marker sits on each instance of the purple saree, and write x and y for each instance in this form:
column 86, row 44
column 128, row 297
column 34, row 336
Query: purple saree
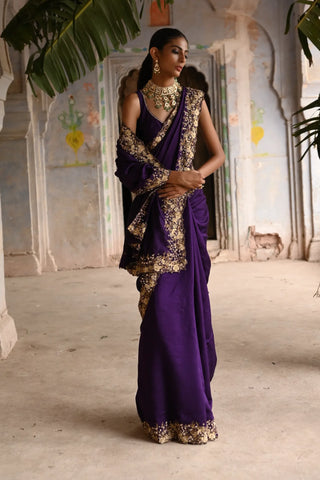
column 165, row 246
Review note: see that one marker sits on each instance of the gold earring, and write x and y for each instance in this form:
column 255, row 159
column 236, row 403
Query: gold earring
column 156, row 67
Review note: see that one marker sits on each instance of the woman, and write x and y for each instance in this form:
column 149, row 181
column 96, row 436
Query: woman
column 165, row 243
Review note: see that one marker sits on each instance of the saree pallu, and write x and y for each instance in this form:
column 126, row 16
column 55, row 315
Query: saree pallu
column 165, row 246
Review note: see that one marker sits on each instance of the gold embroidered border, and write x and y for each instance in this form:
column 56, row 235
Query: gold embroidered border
column 135, row 147
column 138, row 225
column 189, row 128
column 165, row 126
column 193, row 433
column 174, row 260
column 147, row 281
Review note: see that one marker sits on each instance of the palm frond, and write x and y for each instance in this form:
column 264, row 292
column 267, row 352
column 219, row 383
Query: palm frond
column 309, row 128
column 69, row 37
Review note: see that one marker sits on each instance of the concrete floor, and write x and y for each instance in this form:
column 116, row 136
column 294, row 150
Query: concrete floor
column 67, row 389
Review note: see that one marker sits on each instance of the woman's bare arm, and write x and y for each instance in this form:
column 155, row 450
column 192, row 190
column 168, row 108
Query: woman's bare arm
column 181, row 182
column 131, row 111
column 212, row 142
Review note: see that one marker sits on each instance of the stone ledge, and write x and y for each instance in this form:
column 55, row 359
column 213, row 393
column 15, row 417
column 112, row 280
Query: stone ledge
column 21, row 265
column 225, row 256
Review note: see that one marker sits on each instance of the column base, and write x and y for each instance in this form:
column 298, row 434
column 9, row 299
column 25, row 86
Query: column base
column 314, row 251
column 293, row 253
column 21, row 265
column 8, row 334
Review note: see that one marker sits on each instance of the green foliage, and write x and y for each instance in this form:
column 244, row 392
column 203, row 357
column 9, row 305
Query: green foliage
column 308, row 25
column 308, row 29
column 309, row 128
column 69, row 37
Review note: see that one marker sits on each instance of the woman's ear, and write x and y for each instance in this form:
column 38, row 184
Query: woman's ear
column 154, row 53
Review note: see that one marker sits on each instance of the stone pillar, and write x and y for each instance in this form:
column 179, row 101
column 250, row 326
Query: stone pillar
column 39, row 107
column 8, row 334
column 23, row 179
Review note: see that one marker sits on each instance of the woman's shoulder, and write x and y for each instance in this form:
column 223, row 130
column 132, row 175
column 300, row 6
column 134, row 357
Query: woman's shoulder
column 131, row 110
column 132, row 103
column 132, row 100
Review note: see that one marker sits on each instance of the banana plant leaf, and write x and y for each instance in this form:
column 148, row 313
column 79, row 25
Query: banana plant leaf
column 69, row 37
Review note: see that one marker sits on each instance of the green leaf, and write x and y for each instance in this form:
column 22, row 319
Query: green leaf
column 314, row 104
column 290, row 12
column 305, row 47
column 309, row 24
column 306, row 130
column 309, row 128
column 305, row 138
column 304, row 24
column 306, row 151
column 70, row 36
column 289, row 18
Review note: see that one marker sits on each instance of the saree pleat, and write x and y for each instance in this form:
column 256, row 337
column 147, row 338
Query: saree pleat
column 165, row 247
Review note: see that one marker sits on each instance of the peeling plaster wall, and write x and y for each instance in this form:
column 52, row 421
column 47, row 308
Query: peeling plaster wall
column 73, row 178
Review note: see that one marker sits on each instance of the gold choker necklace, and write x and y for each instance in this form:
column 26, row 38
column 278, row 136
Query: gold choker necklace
column 165, row 97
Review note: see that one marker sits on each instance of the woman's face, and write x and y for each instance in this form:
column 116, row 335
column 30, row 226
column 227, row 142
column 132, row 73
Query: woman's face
column 172, row 58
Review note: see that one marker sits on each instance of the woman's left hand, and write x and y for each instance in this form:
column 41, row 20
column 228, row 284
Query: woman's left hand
column 170, row 190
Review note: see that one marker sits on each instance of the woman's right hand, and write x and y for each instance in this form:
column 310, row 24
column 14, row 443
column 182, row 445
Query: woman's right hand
column 189, row 179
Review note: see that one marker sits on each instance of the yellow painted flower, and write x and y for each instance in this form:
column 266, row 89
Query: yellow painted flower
column 257, row 133
column 75, row 140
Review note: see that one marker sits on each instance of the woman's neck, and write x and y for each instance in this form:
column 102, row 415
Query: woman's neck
column 162, row 81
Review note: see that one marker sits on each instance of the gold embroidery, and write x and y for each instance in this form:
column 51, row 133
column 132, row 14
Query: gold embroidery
column 189, row 128
column 193, row 433
column 147, row 283
column 135, row 147
column 138, row 225
column 165, row 126
column 174, row 259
